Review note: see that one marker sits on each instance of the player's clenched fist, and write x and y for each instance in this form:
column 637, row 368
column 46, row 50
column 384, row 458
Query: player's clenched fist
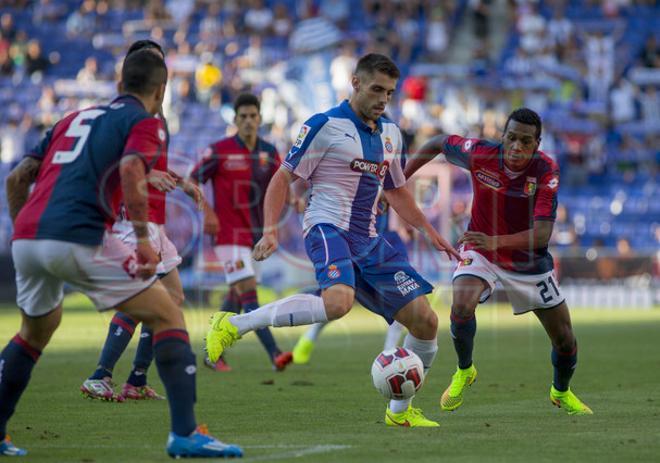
column 147, row 260
column 211, row 223
column 266, row 246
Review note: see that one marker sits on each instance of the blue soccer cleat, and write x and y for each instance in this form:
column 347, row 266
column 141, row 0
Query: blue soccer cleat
column 7, row 449
column 200, row 445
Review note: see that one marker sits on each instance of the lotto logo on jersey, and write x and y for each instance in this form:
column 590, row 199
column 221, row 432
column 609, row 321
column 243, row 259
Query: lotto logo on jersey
column 405, row 283
column 553, row 183
column 333, row 272
column 488, row 179
column 370, row 167
column 300, row 139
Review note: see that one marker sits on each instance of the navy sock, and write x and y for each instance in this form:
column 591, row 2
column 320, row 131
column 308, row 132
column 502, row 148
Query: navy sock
column 231, row 302
column 462, row 333
column 249, row 302
column 16, row 363
column 176, row 366
column 564, row 366
column 119, row 335
column 143, row 357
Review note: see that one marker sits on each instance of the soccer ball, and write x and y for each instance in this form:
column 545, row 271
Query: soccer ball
column 397, row 373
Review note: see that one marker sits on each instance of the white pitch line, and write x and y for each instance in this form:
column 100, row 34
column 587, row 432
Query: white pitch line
column 299, row 453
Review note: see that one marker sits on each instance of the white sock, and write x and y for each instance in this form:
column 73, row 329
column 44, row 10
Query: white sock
column 300, row 309
column 393, row 335
column 313, row 332
column 426, row 350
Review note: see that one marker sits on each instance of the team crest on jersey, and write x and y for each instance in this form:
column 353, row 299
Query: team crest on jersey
column 388, row 144
column 530, row 186
column 263, row 159
column 300, row 139
column 488, row 179
column 333, row 272
column 405, row 283
column 370, row 167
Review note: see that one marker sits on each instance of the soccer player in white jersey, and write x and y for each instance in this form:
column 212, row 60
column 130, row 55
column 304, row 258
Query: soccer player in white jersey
column 349, row 154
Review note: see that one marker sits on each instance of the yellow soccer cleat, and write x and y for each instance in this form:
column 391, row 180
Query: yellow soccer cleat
column 302, row 352
column 411, row 418
column 452, row 398
column 569, row 402
column 222, row 334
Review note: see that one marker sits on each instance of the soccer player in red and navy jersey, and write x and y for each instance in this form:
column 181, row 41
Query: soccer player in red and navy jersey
column 240, row 168
column 159, row 182
column 61, row 236
column 515, row 200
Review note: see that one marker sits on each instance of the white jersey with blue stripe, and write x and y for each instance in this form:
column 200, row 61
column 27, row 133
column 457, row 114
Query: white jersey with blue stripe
column 347, row 163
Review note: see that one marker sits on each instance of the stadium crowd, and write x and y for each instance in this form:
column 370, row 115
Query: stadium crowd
column 590, row 68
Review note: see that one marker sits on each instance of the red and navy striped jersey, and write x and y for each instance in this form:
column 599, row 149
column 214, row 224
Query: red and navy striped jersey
column 240, row 179
column 506, row 203
column 79, row 175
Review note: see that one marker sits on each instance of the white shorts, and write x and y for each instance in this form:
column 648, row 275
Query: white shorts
column 169, row 256
column 236, row 261
column 525, row 292
column 105, row 273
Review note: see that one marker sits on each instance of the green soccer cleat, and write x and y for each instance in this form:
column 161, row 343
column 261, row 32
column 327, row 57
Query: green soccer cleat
column 569, row 402
column 411, row 418
column 452, row 398
column 221, row 335
column 302, row 352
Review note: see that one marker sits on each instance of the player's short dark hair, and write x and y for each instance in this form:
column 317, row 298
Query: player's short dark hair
column 526, row 116
column 143, row 72
column 247, row 99
column 145, row 45
column 373, row 62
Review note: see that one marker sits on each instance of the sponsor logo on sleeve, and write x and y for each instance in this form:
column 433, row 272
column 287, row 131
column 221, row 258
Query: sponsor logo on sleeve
column 553, row 183
column 405, row 283
column 161, row 134
column 468, row 144
column 300, row 139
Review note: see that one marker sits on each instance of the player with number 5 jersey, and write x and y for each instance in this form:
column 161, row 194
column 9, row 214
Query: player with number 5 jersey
column 513, row 212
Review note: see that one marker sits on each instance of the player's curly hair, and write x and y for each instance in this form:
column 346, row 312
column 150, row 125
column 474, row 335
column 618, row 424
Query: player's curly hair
column 373, row 62
column 526, row 116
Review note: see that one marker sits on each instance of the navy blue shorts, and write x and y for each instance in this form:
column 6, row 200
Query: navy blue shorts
column 383, row 280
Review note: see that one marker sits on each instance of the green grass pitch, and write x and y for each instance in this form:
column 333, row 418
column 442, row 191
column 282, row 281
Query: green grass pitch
column 328, row 411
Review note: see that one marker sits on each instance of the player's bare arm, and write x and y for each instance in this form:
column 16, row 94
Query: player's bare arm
column 534, row 238
column 276, row 197
column 427, row 152
column 133, row 185
column 162, row 181
column 211, row 225
column 18, row 184
column 403, row 203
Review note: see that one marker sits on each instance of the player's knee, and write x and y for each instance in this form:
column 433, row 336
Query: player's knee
column 565, row 341
column 463, row 308
column 178, row 297
column 425, row 325
column 37, row 334
column 337, row 308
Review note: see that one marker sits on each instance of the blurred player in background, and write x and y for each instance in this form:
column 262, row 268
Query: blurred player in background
column 99, row 385
column 61, row 236
column 240, row 168
column 515, row 201
column 302, row 352
column 349, row 154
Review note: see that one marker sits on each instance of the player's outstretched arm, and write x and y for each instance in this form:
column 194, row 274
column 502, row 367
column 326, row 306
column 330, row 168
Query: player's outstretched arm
column 18, row 184
column 424, row 154
column 535, row 238
column 404, row 204
column 276, row 196
column 133, row 184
